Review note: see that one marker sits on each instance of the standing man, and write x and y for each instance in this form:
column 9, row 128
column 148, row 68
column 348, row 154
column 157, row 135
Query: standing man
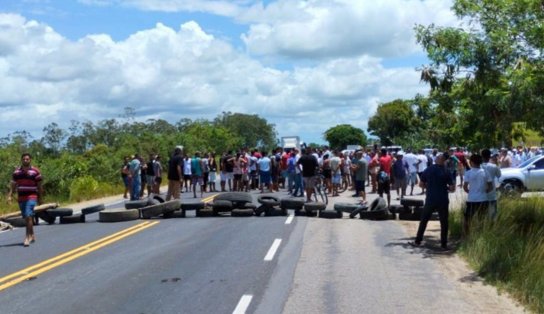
column 175, row 175
column 495, row 173
column 438, row 182
column 27, row 181
column 309, row 166
column 125, row 176
column 150, row 174
column 400, row 175
column 360, row 169
column 157, row 168
column 411, row 160
column 264, row 165
column 134, row 168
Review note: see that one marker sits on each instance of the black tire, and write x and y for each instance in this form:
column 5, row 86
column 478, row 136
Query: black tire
column 392, row 216
column 292, row 203
column 151, row 211
column 268, row 200
column 512, row 189
column 79, row 218
column 300, row 213
column 407, row 216
column 249, row 206
column 43, row 215
column 396, row 209
column 411, row 202
column 314, row 206
column 329, row 214
column 242, row 212
column 204, row 212
column 261, row 209
column 273, row 212
column 118, row 215
column 137, row 204
column 377, row 204
column 93, row 209
column 357, row 211
column 380, row 214
column 238, row 199
column 192, row 206
column 17, row 222
column 346, row 207
column 159, row 198
column 221, row 206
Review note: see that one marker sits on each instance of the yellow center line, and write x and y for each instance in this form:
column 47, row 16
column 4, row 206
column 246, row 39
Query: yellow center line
column 209, row 198
column 64, row 258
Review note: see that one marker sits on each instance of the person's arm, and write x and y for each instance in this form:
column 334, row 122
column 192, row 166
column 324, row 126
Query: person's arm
column 12, row 188
column 40, row 192
column 465, row 186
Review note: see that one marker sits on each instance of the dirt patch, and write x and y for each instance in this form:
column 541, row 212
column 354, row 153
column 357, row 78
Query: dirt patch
column 485, row 298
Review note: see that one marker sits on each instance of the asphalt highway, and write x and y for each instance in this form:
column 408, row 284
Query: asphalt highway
column 224, row 265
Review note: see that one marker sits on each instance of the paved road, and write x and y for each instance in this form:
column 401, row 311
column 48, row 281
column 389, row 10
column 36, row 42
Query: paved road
column 218, row 265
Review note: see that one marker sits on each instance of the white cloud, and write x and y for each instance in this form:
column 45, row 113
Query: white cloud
column 339, row 28
column 184, row 73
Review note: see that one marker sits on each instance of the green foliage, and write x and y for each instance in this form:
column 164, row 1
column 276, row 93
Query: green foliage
column 253, row 130
column 344, row 134
column 509, row 251
column 86, row 188
column 393, row 122
column 491, row 75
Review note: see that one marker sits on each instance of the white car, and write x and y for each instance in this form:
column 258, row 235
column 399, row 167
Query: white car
column 528, row 176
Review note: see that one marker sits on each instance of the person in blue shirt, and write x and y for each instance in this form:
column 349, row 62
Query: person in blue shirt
column 438, row 182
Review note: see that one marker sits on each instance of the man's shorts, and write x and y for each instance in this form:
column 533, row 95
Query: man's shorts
column 186, row 177
column 384, row 187
column 400, row 183
column 265, row 177
column 238, row 177
column 197, row 180
column 309, row 182
column 229, row 175
column 461, row 171
column 475, row 208
column 412, row 178
column 150, row 180
column 126, row 181
column 27, row 208
column 337, row 178
column 158, row 180
column 359, row 186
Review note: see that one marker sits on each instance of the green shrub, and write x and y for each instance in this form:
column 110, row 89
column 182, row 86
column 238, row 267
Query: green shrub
column 509, row 251
column 86, row 188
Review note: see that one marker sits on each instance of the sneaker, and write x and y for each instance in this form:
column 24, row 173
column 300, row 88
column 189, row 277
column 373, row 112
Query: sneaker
column 414, row 243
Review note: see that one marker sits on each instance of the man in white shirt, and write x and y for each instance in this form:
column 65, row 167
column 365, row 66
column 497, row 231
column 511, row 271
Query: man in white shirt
column 411, row 160
column 477, row 184
column 494, row 172
column 264, row 165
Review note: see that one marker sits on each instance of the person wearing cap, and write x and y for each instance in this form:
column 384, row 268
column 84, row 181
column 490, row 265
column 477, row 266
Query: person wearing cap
column 437, row 181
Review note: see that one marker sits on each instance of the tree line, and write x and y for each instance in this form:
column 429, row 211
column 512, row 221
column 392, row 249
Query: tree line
column 84, row 161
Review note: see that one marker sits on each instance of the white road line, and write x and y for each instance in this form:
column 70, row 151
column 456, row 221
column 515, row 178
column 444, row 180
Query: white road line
column 289, row 219
column 272, row 251
column 243, row 304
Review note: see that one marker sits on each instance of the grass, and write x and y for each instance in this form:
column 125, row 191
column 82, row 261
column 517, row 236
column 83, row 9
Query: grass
column 508, row 252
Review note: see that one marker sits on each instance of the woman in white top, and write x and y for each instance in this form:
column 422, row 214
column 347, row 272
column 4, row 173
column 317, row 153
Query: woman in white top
column 477, row 184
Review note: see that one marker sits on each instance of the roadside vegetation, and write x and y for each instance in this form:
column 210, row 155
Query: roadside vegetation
column 508, row 252
column 84, row 161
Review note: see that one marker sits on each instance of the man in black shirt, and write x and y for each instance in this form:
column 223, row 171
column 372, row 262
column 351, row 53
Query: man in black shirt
column 175, row 166
column 437, row 180
column 309, row 167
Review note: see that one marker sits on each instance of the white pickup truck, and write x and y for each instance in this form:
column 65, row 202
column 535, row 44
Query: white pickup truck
column 528, row 176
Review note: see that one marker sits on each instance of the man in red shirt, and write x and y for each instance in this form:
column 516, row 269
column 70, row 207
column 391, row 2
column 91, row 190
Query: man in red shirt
column 27, row 181
column 385, row 161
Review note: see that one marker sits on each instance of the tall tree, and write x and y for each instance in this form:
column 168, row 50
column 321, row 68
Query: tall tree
column 344, row 134
column 393, row 122
column 491, row 74
column 252, row 129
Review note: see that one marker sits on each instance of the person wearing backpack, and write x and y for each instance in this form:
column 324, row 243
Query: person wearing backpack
column 384, row 175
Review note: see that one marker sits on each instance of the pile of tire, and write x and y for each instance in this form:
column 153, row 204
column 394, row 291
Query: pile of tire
column 294, row 203
column 351, row 209
column 411, row 209
column 313, row 208
column 377, row 211
column 133, row 210
column 270, row 206
column 238, row 204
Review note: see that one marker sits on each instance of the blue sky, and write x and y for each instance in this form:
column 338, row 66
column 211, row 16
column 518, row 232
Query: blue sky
column 304, row 65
